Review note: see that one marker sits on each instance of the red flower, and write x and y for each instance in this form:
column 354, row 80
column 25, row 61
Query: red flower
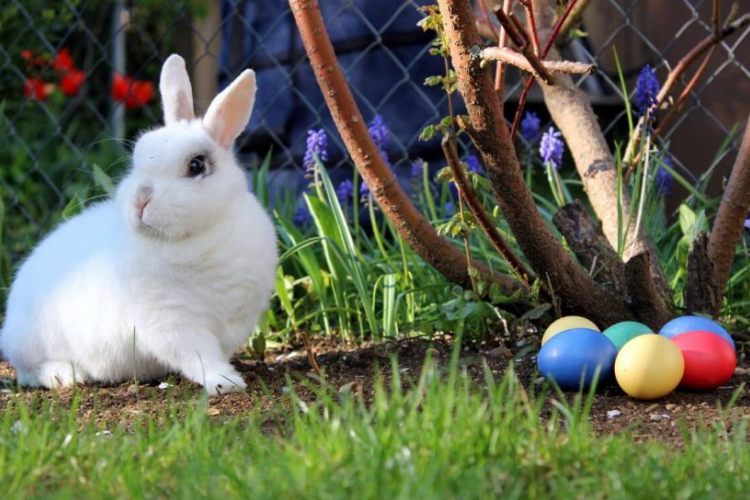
column 34, row 88
column 71, row 82
column 132, row 93
column 63, row 61
column 32, row 60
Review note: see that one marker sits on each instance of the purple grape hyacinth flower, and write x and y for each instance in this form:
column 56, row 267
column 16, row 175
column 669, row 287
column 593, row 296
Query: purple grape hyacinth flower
column 664, row 179
column 530, row 127
column 379, row 132
column 473, row 164
column 646, row 89
column 302, row 216
column 552, row 147
column 417, row 168
column 364, row 189
column 381, row 136
column 317, row 143
column 747, row 222
column 345, row 191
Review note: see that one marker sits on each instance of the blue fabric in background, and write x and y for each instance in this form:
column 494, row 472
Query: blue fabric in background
column 381, row 50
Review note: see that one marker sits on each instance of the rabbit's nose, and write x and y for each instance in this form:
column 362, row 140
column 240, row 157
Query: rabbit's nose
column 142, row 199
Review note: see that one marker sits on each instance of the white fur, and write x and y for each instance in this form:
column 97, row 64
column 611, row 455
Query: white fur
column 110, row 295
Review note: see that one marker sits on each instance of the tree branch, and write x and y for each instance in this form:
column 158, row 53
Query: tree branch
column 574, row 18
column 572, row 112
column 677, row 72
column 729, row 223
column 550, row 42
column 646, row 299
column 578, row 292
column 477, row 210
column 396, row 205
column 510, row 56
column 520, row 39
column 701, row 295
column 502, row 41
column 593, row 250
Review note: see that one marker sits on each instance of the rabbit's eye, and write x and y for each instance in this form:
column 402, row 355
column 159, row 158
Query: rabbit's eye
column 197, row 166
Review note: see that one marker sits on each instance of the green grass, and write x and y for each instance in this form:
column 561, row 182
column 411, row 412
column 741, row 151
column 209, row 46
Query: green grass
column 446, row 437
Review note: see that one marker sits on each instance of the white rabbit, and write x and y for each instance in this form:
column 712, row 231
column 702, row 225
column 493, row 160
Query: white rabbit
column 170, row 275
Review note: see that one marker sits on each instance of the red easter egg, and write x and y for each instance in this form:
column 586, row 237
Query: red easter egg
column 709, row 360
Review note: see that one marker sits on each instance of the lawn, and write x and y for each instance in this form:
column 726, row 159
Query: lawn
column 443, row 424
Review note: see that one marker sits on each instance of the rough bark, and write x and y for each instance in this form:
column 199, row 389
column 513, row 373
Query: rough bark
column 480, row 214
column 574, row 19
column 554, row 266
column 729, row 223
column 646, row 299
column 593, row 250
column 572, row 112
column 517, row 59
column 701, row 293
column 393, row 201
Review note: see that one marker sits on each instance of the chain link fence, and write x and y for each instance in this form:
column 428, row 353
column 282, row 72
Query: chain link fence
column 79, row 79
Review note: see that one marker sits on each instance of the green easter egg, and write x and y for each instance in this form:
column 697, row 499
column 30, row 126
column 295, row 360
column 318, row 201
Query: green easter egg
column 621, row 333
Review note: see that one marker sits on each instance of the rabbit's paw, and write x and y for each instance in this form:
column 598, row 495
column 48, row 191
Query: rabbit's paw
column 58, row 374
column 223, row 383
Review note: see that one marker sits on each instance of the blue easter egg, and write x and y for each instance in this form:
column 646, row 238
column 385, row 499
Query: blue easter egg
column 572, row 357
column 685, row 324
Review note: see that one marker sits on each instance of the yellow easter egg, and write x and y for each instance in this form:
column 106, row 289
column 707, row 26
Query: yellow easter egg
column 649, row 367
column 567, row 323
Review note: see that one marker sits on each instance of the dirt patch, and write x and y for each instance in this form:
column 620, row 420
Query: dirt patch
column 354, row 368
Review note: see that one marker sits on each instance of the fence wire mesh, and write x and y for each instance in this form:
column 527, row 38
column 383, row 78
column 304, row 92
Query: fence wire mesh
column 79, row 77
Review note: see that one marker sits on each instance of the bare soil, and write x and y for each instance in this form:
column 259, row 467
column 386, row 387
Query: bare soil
column 353, row 368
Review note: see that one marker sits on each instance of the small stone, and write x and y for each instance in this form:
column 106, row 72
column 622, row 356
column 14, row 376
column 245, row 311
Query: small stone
column 613, row 414
column 656, row 417
column 741, row 371
column 164, row 386
column 350, row 388
column 653, row 407
column 500, row 352
column 671, row 407
column 213, row 412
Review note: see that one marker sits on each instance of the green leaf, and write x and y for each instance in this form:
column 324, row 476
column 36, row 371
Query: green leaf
column 73, row 208
column 536, row 313
column 428, row 133
column 102, row 180
column 284, row 294
column 578, row 33
column 687, row 219
column 432, row 81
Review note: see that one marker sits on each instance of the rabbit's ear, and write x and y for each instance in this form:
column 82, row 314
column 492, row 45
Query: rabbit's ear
column 176, row 92
column 230, row 111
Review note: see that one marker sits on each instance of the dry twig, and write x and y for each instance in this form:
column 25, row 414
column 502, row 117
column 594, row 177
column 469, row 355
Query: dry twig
column 510, row 56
